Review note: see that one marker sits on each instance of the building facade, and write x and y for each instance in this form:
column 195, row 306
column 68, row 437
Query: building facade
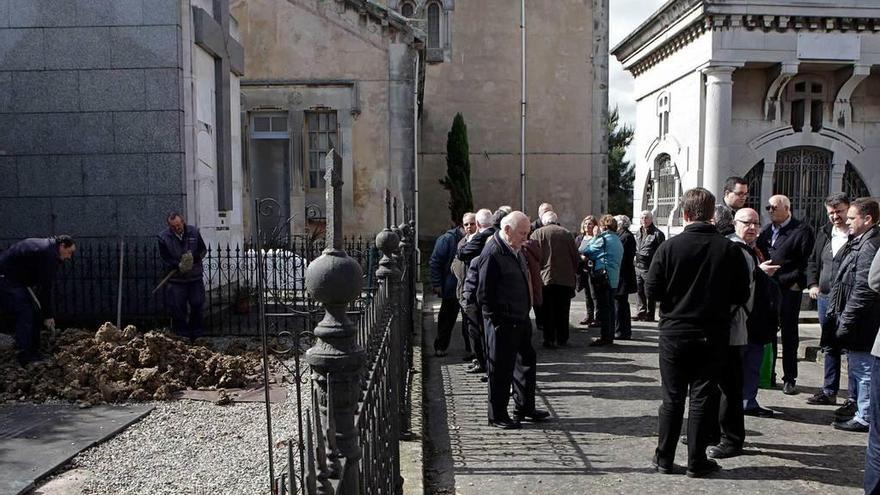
column 783, row 93
column 474, row 67
column 321, row 75
column 112, row 114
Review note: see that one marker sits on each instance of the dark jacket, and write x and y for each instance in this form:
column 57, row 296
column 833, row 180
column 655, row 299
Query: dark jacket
column 791, row 252
column 537, row 224
column 696, row 277
column 503, row 289
column 558, row 256
column 647, row 243
column 441, row 262
column 724, row 219
column 532, row 252
column 853, row 303
column 822, row 266
column 627, row 283
column 475, row 246
column 33, row 263
column 171, row 249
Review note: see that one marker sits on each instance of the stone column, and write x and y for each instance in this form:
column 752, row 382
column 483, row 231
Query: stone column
column 336, row 360
column 719, row 108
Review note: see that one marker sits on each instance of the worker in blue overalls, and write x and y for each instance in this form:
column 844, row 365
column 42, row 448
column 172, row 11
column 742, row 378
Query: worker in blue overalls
column 182, row 249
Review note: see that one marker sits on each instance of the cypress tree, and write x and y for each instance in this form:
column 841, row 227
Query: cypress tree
column 458, row 171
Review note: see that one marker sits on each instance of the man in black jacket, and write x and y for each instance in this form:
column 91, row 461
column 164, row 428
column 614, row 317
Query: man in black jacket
column 32, row 263
column 626, row 284
column 736, row 192
column 787, row 242
column 182, row 250
column 854, row 309
column 468, row 254
column 504, row 297
column 647, row 242
column 695, row 277
column 821, row 269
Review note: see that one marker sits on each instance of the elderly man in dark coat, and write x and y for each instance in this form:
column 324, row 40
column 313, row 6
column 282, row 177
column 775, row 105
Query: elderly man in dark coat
column 627, row 284
column 504, row 297
column 26, row 264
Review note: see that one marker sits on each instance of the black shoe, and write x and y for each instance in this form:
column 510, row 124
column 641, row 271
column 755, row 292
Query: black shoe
column 549, row 345
column 850, row 425
column 847, row 410
column 822, row 399
column 620, row 336
column 484, row 378
column 600, row 343
column 475, row 370
column 595, row 324
column 440, row 353
column 759, row 412
column 664, row 469
column 702, row 468
column 789, row 388
column 506, row 424
column 536, row 415
column 586, row 321
column 723, row 451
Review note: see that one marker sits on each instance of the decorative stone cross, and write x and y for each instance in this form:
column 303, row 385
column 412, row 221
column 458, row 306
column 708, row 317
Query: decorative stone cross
column 211, row 33
column 333, row 177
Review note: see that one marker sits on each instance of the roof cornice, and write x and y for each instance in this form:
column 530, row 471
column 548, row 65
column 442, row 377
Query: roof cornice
column 656, row 24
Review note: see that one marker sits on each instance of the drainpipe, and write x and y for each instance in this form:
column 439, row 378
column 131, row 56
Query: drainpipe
column 416, row 161
column 522, row 125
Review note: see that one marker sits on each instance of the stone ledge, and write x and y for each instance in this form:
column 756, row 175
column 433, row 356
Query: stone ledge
column 412, row 450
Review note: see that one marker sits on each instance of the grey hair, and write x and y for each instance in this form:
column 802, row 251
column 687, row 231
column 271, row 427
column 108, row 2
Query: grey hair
column 484, row 218
column 647, row 213
column 623, row 222
column 549, row 217
column 513, row 218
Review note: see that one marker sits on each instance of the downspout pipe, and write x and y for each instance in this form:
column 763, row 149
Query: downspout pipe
column 522, row 125
column 416, row 131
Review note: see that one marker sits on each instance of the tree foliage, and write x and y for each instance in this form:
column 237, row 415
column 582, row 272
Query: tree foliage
column 458, row 170
column 621, row 173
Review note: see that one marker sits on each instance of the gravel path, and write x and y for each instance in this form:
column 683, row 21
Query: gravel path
column 185, row 447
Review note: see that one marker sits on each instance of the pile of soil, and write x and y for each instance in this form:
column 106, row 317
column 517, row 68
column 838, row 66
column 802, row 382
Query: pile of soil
column 113, row 365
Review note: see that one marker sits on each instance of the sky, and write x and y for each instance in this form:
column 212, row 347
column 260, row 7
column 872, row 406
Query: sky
column 626, row 15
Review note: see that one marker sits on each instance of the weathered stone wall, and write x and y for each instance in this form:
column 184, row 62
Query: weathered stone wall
column 482, row 81
column 90, row 117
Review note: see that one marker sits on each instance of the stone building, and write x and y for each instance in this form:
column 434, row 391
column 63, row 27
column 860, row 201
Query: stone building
column 474, row 56
column 322, row 74
column 114, row 112
column 783, row 93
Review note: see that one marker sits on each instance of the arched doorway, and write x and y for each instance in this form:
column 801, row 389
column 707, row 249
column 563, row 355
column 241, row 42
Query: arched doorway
column 668, row 192
column 853, row 184
column 804, row 175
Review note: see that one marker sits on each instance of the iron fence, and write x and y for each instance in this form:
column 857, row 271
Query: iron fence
column 87, row 288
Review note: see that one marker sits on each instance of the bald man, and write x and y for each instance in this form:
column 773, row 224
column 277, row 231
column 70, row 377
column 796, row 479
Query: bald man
column 504, row 296
column 788, row 242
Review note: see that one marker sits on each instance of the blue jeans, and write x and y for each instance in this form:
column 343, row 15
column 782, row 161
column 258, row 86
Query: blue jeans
column 832, row 354
column 859, row 364
column 872, row 459
column 752, row 357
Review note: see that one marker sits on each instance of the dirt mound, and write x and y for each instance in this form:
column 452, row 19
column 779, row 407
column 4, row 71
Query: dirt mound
column 113, row 365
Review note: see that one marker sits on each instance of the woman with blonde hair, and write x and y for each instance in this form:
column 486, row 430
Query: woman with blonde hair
column 587, row 225
column 605, row 250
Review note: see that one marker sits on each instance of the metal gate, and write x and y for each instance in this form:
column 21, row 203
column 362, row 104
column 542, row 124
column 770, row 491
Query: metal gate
column 804, row 175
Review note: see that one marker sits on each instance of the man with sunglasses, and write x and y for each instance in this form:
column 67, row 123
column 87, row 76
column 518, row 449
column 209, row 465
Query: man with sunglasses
column 788, row 242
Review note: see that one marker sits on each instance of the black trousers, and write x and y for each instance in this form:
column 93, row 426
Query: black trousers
column 449, row 309
column 730, row 429
column 605, row 312
column 465, row 331
column 556, row 309
column 623, row 316
column 511, row 361
column 646, row 305
column 589, row 297
column 689, row 369
column 476, row 333
column 789, row 312
column 540, row 317
column 15, row 301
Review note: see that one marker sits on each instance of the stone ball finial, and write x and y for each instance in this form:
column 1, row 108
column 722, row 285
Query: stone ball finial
column 387, row 241
column 334, row 278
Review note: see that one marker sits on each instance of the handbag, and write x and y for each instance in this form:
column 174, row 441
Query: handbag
column 599, row 276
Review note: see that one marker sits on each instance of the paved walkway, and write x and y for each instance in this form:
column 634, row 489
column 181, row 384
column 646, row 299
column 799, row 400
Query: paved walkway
column 603, row 431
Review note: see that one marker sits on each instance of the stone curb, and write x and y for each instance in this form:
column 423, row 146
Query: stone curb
column 412, row 450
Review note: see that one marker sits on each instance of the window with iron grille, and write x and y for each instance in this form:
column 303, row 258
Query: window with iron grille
column 668, row 194
column 321, row 136
column 407, row 9
column 804, row 175
column 853, row 185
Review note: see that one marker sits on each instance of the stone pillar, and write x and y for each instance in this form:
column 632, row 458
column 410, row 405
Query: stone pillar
column 719, row 108
column 336, row 360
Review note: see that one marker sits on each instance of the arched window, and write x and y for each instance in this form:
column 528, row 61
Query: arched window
column 807, row 100
column 663, row 114
column 853, row 185
column 407, row 9
column 434, row 21
column 668, row 191
column 648, row 196
column 804, row 175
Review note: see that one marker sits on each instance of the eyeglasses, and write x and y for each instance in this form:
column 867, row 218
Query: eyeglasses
column 469, row 223
column 740, row 194
column 771, row 207
column 756, row 225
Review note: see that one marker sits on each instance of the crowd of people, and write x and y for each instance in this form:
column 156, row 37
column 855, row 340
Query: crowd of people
column 728, row 288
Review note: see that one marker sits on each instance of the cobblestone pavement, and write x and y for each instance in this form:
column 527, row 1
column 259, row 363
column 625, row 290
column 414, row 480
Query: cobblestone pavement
column 603, row 431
